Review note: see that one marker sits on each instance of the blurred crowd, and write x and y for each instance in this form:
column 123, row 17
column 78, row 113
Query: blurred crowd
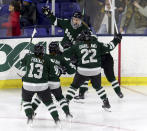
column 130, row 15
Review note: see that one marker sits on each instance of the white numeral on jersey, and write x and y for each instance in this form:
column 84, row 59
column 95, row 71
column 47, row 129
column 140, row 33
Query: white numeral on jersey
column 40, row 71
column 91, row 57
column 57, row 72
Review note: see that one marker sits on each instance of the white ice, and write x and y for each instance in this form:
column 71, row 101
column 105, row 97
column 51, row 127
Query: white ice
column 127, row 114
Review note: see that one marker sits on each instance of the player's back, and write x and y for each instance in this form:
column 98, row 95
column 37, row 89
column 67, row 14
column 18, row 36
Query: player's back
column 36, row 69
column 88, row 55
column 54, row 71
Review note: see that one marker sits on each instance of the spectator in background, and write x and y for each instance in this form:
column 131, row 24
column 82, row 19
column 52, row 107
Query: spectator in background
column 13, row 24
column 99, row 13
column 120, row 7
column 28, row 13
column 105, row 19
column 143, row 10
column 92, row 12
column 134, row 19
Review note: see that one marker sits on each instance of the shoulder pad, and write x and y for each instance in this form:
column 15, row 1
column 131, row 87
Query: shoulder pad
column 93, row 37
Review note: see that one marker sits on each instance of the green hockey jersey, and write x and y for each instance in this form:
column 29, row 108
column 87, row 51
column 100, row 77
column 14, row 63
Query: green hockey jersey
column 36, row 69
column 89, row 57
column 70, row 34
column 59, row 62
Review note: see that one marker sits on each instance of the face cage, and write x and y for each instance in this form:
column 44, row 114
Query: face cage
column 75, row 26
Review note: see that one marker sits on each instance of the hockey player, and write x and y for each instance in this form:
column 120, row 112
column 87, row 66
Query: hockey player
column 72, row 28
column 36, row 81
column 88, row 52
column 107, row 64
column 61, row 66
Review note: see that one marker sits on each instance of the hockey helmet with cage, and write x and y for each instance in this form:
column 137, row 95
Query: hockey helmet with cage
column 76, row 21
column 77, row 14
column 85, row 35
column 39, row 50
column 54, row 47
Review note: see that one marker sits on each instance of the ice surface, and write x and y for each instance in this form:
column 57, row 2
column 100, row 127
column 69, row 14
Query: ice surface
column 128, row 114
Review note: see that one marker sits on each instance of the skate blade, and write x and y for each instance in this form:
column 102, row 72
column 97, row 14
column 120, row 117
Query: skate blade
column 106, row 109
column 30, row 123
column 68, row 122
column 79, row 101
column 59, row 125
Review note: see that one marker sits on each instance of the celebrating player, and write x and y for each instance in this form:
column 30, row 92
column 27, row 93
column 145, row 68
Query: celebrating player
column 61, row 66
column 88, row 52
column 107, row 64
column 72, row 28
column 36, row 81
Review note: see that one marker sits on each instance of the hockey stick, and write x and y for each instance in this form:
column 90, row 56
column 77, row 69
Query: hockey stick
column 114, row 18
column 2, row 46
column 119, row 49
column 46, row 4
column 16, row 72
column 33, row 34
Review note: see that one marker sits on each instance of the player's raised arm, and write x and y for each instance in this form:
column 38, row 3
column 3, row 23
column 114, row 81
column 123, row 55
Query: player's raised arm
column 69, row 66
column 54, row 20
column 107, row 47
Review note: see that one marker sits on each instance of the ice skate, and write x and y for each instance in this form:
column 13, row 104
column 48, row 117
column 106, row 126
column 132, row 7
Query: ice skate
column 79, row 97
column 30, row 121
column 106, row 105
column 120, row 95
column 69, row 117
column 58, row 124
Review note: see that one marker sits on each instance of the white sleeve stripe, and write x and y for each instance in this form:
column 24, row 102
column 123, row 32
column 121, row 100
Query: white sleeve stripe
column 112, row 44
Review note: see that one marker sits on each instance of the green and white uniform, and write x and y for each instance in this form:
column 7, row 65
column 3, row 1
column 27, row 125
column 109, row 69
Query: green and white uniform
column 88, row 64
column 89, row 59
column 54, row 81
column 36, row 77
column 36, row 81
column 54, row 76
column 70, row 34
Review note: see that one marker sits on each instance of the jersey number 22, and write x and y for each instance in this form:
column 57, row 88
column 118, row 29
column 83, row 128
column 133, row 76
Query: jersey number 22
column 91, row 58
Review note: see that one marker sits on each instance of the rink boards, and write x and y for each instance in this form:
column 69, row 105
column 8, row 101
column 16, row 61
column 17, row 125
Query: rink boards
column 133, row 60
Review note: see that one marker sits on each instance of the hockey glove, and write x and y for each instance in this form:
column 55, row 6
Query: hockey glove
column 46, row 11
column 118, row 37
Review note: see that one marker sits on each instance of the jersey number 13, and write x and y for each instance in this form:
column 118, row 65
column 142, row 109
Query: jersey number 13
column 39, row 72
